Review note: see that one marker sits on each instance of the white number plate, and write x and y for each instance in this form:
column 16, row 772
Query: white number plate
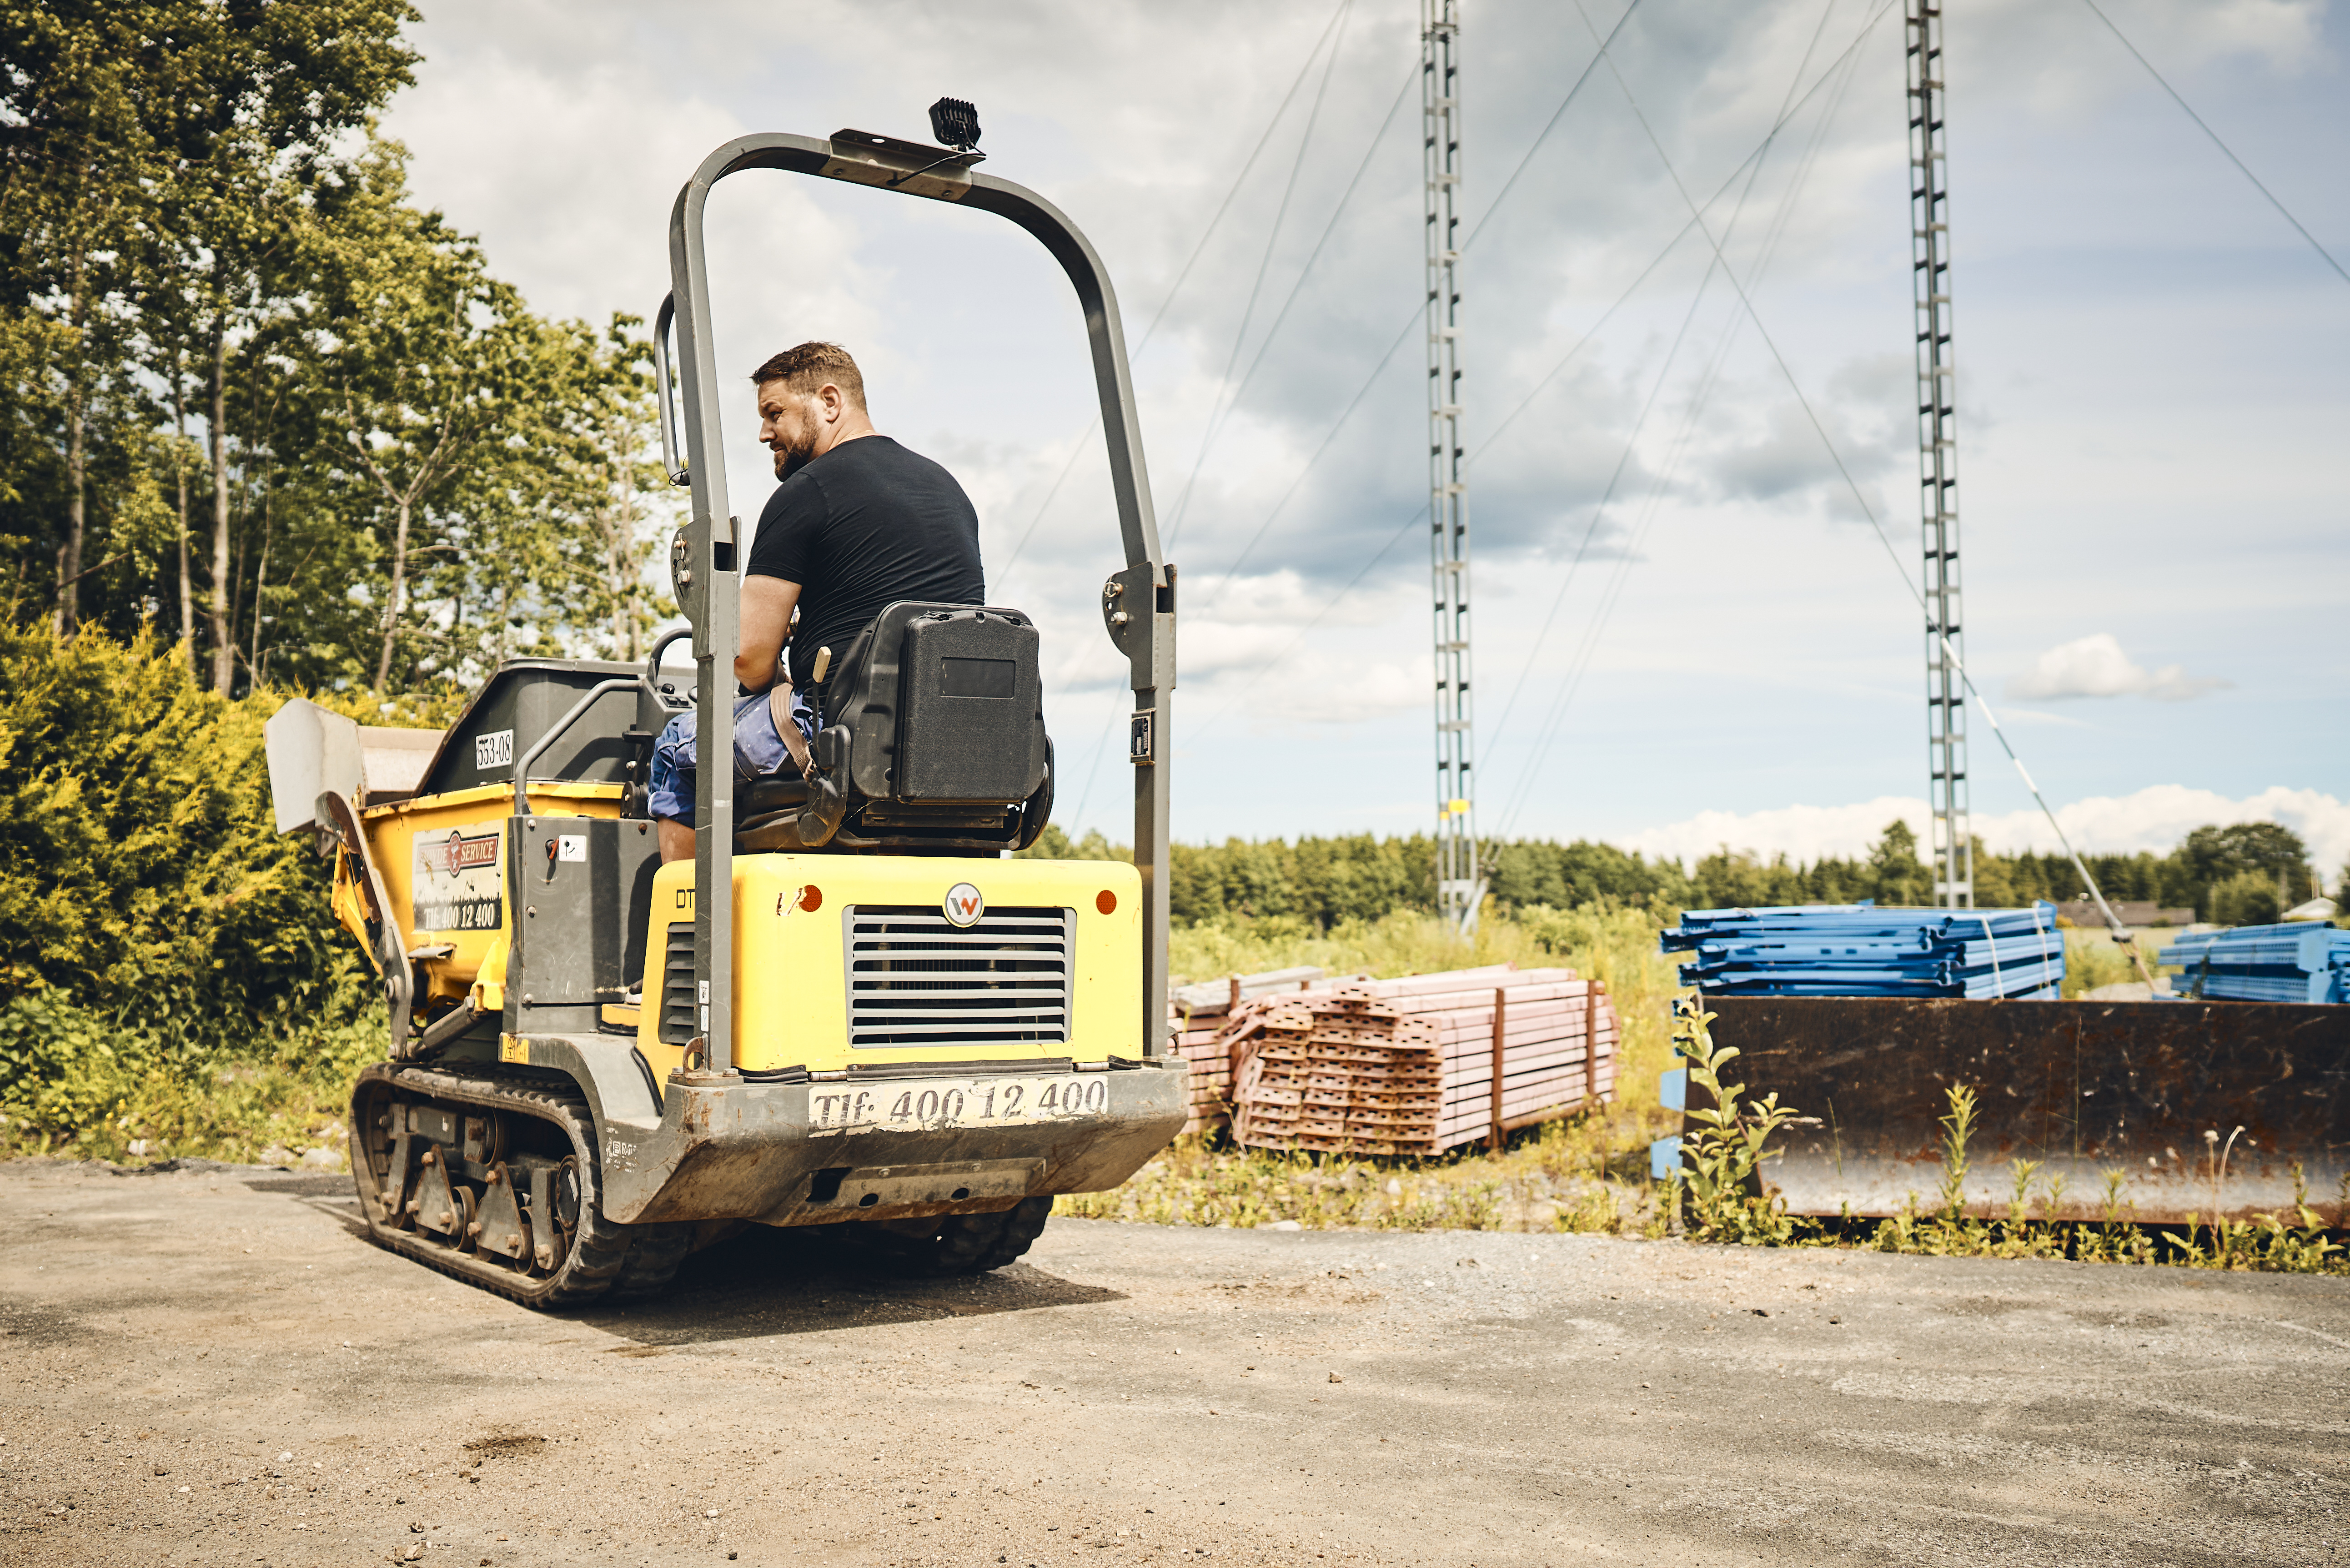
column 920, row 1104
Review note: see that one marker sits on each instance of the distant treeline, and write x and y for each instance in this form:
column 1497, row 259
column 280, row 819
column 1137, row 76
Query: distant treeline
column 2238, row 875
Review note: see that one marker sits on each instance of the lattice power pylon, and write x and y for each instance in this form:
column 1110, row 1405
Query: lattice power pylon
column 1938, row 461
column 1459, row 890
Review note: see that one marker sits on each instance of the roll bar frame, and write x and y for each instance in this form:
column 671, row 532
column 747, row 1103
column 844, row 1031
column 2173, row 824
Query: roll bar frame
column 1138, row 602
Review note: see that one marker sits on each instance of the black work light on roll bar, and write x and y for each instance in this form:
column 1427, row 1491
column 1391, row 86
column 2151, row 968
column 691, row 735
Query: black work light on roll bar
column 956, row 123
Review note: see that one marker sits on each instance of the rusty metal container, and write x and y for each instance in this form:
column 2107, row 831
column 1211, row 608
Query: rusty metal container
column 2086, row 1087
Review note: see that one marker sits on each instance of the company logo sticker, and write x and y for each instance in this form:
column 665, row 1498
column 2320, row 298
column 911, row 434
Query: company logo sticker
column 460, row 853
column 964, row 905
column 454, row 884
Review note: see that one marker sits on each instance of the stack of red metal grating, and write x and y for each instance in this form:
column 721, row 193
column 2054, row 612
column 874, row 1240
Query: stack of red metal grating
column 1398, row 1066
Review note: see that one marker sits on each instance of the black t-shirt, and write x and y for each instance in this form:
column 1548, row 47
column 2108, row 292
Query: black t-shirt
column 860, row 528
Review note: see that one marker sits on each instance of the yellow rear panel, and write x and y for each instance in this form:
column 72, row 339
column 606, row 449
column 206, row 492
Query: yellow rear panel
column 790, row 976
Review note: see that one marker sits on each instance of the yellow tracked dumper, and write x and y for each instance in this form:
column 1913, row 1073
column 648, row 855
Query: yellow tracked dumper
column 889, row 1024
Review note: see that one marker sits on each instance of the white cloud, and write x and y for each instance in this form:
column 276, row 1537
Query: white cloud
column 2159, row 816
column 2096, row 667
column 2155, row 818
column 1798, row 832
column 1241, row 643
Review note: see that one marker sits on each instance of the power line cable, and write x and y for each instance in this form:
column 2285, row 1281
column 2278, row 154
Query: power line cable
column 1612, row 594
column 1544, row 134
column 2225, row 150
column 1240, row 338
column 1547, row 729
column 1599, row 513
column 1526, row 158
column 1605, row 316
column 1825, row 76
column 1256, row 287
column 1198, row 248
column 1218, row 418
column 1916, row 593
column 1224, row 580
column 1542, row 635
column 1365, row 570
column 1264, row 344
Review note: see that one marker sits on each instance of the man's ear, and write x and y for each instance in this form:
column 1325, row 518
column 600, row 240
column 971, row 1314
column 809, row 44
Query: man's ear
column 835, row 402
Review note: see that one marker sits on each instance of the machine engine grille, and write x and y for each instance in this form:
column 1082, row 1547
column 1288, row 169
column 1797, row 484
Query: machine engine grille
column 916, row 980
column 679, row 1014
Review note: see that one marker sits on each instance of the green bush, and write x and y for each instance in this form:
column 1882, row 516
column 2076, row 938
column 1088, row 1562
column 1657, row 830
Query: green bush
column 153, row 927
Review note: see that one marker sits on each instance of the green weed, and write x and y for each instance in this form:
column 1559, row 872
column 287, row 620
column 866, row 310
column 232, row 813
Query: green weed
column 1721, row 1161
column 1958, row 1128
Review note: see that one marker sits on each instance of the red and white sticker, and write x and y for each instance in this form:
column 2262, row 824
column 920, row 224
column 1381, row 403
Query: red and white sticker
column 454, row 884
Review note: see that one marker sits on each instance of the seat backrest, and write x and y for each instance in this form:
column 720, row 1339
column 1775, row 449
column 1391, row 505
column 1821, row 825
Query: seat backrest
column 941, row 702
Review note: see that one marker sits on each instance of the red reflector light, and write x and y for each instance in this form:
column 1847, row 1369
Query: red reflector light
column 811, row 898
column 1107, row 902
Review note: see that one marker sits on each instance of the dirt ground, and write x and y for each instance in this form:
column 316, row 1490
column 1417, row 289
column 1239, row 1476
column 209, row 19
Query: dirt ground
column 214, row 1368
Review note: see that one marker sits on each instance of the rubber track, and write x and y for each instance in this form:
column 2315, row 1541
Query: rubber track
column 965, row 1243
column 625, row 1260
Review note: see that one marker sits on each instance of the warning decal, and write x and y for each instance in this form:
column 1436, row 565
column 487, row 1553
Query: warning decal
column 456, row 886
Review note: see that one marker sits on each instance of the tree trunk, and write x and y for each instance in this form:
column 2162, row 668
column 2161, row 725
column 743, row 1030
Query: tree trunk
column 260, row 583
column 77, row 463
column 179, row 467
column 77, row 513
column 620, row 541
column 616, row 586
column 223, row 639
column 398, row 590
column 240, row 549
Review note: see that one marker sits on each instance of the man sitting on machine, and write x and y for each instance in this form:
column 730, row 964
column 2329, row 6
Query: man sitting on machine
column 856, row 523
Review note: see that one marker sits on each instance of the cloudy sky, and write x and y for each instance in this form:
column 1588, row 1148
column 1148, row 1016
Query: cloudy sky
column 1689, row 631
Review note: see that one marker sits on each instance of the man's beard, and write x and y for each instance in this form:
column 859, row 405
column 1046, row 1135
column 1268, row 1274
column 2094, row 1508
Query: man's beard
column 790, row 460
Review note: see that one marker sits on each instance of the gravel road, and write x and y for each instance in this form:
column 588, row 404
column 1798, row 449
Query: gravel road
column 213, row 1366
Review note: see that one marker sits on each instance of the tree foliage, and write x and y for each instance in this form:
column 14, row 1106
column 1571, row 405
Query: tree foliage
column 2240, row 874
column 259, row 396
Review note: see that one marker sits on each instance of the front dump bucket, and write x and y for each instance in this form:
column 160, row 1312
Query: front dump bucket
column 2086, row 1087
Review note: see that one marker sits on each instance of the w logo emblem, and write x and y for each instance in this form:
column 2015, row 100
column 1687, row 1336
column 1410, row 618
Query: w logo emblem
column 964, row 905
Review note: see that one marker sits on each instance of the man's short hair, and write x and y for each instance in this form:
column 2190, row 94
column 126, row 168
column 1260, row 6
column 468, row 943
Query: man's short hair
column 811, row 366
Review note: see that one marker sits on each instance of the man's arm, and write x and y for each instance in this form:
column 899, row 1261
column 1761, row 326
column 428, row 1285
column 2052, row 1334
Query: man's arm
column 767, row 604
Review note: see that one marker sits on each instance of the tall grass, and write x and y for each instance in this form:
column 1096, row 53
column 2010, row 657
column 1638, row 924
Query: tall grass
column 1610, row 942
column 1587, row 1173
column 1557, row 1176
column 2092, row 958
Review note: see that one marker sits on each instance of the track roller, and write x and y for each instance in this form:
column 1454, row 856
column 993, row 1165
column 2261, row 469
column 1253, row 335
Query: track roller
column 492, row 1178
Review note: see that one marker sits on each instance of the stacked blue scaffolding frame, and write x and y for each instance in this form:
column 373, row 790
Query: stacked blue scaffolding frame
column 2307, row 960
column 1860, row 949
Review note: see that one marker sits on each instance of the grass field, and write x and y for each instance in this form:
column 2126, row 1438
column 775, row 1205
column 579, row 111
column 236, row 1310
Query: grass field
column 1588, row 1173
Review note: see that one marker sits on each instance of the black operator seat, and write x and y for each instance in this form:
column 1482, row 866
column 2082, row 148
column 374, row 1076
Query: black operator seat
column 933, row 738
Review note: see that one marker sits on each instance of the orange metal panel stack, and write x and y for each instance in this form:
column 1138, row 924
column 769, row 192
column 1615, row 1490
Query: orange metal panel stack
column 1409, row 1066
column 1197, row 1016
column 1337, row 1070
